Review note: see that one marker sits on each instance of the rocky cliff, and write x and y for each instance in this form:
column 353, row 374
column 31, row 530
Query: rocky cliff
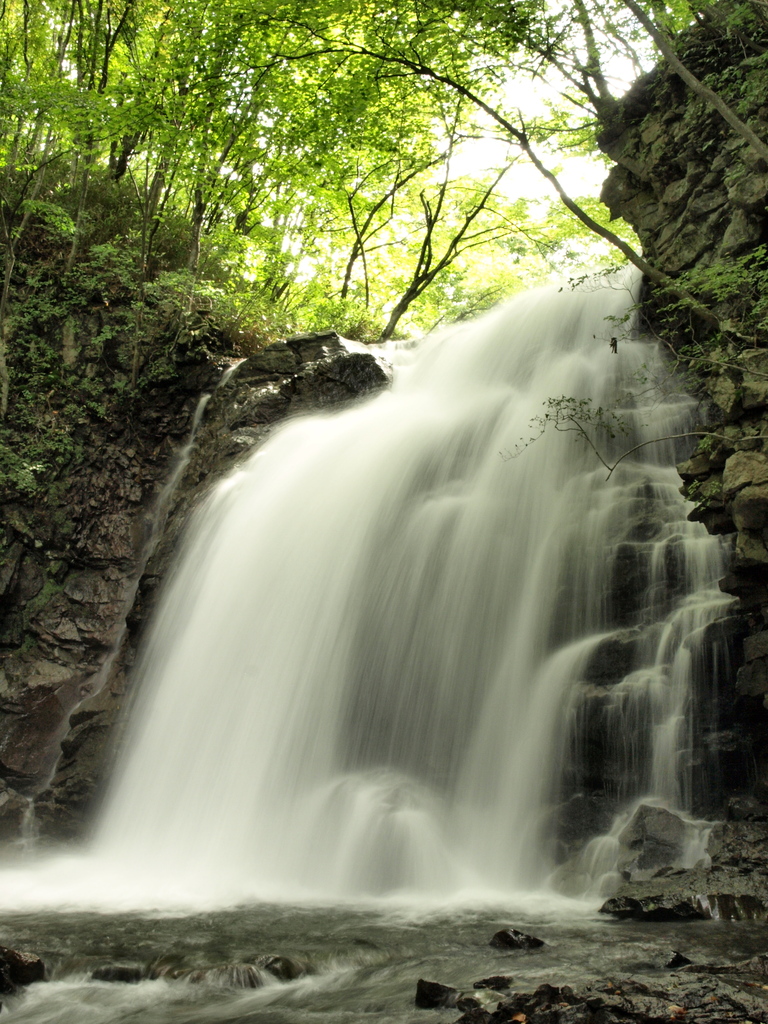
column 82, row 560
column 697, row 195
column 70, row 557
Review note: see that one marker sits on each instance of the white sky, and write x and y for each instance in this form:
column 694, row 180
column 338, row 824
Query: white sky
column 579, row 175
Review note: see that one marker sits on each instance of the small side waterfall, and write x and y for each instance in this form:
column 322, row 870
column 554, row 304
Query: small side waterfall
column 389, row 649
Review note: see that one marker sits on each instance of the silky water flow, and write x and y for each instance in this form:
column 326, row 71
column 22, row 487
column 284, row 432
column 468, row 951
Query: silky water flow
column 373, row 670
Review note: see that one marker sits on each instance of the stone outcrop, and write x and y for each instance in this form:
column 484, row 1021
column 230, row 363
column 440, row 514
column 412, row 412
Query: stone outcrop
column 703, row 993
column 511, row 938
column 697, row 196
column 693, row 190
column 68, row 569
column 703, row 999
column 18, row 969
column 81, row 734
column 80, row 561
column 654, row 839
column 729, row 882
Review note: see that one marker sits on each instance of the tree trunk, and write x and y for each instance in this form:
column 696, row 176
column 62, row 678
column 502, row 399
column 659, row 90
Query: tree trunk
column 198, row 214
column 5, row 330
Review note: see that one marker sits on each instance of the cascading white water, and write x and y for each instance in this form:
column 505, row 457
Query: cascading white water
column 368, row 671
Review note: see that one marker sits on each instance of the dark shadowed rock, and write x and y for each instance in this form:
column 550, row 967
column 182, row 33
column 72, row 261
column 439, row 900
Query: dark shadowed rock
column 630, row 576
column 13, row 808
column 122, row 973
column 583, row 816
column 612, row 659
column 511, row 938
column 747, row 809
column 18, row 969
column 497, row 982
column 468, row 1003
column 431, row 994
column 476, row 1016
column 653, row 908
column 677, row 960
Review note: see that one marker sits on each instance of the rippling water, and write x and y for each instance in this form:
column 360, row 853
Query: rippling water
column 366, row 961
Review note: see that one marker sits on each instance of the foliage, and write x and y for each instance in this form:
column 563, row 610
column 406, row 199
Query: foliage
column 738, row 284
column 185, row 174
column 736, row 288
column 165, row 126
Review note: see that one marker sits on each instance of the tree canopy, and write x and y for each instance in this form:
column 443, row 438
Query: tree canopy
column 307, row 164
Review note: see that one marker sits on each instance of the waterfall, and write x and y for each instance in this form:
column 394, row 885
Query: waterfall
column 371, row 669
column 401, row 636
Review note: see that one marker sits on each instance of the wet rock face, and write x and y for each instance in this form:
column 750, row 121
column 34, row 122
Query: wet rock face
column 733, row 887
column 578, row 819
column 614, row 703
column 305, row 373
column 697, row 195
column 653, row 908
column 67, row 570
column 613, row 658
column 703, row 1000
column 63, row 710
column 654, row 839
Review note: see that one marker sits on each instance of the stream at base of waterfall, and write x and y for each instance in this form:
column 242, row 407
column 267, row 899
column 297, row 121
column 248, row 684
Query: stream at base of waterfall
column 399, row 642
column 361, row 965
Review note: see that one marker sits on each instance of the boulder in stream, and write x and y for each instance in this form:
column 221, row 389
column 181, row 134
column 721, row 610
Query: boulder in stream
column 18, row 969
column 677, row 960
column 497, row 982
column 227, row 976
column 431, row 995
column 511, row 938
